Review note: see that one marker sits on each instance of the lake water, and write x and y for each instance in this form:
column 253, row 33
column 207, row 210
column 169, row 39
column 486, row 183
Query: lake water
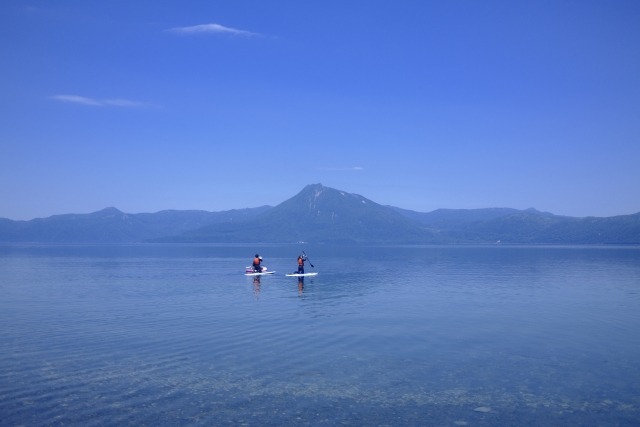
column 383, row 336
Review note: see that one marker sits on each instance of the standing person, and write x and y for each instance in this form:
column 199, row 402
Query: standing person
column 256, row 264
column 301, row 259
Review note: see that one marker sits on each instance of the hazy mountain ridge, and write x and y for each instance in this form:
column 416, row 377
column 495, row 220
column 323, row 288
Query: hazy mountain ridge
column 317, row 214
column 528, row 228
column 110, row 225
column 320, row 214
column 449, row 217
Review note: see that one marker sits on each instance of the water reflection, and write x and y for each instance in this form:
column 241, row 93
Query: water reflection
column 256, row 286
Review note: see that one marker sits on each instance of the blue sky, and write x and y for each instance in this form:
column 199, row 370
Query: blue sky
column 153, row 105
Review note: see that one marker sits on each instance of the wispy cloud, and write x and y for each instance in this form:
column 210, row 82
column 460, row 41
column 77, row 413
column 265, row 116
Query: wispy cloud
column 77, row 99
column 99, row 102
column 124, row 103
column 211, row 28
column 355, row 168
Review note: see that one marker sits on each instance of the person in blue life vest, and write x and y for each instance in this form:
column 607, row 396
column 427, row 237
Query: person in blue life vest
column 301, row 259
column 256, row 264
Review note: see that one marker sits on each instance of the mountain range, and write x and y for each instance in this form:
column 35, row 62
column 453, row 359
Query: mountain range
column 320, row 214
column 113, row 226
column 317, row 214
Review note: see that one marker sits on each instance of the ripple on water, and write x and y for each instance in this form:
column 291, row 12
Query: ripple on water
column 529, row 336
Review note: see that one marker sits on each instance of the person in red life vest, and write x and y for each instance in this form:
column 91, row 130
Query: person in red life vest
column 256, row 264
column 301, row 260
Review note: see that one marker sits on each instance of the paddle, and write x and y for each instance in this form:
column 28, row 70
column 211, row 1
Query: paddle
column 308, row 259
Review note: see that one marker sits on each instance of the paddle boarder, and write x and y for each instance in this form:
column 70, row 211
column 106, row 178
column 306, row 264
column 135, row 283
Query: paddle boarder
column 301, row 259
column 256, row 264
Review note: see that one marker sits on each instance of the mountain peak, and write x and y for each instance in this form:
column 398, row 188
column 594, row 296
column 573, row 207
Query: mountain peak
column 110, row 210
column 319, row 214
column 312, row 188
column 326, row 199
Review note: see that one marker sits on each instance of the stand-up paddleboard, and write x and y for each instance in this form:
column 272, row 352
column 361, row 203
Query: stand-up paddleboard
column 249, row 272
column 301, row 275
column 259, row 274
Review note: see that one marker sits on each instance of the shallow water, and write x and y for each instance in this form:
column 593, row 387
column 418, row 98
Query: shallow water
column 177, row 335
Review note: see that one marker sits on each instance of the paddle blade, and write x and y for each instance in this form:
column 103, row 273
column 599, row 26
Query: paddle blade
column 308, row 259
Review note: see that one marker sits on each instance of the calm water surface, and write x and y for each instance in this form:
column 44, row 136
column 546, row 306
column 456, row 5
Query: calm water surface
column 444, row 336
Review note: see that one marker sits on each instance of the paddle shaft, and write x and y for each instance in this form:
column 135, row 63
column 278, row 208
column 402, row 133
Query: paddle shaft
column 308, row 260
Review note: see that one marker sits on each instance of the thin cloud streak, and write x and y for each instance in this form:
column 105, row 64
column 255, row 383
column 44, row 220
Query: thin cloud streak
column 211, row 28
column 99, row 103
column 77, row 99
column 355, row 168
column 124, row 103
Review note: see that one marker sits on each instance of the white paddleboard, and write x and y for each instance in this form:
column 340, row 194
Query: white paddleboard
column 301, row 275
column 259, row 274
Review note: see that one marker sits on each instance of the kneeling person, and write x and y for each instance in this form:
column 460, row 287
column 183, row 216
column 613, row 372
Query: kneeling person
column 256, row 264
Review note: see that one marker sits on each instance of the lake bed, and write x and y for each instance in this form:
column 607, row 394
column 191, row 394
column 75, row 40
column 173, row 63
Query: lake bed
column 402, row 335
